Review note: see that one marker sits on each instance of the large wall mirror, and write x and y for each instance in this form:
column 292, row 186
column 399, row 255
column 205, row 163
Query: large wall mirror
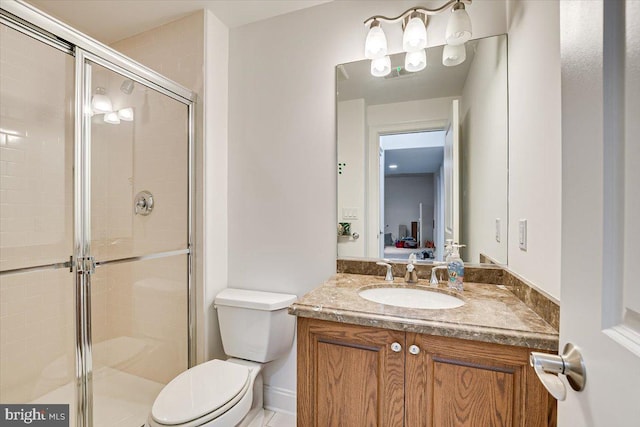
column 423, row 157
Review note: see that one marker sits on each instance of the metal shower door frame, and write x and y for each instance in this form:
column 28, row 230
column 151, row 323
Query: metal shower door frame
column 85, row 263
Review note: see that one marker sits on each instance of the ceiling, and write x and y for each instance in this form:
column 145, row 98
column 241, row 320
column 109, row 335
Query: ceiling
column 413, row 152
column 413, row 160
column 111, row 20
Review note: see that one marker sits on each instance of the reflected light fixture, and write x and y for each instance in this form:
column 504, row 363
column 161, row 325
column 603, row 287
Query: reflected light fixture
column 415, row 61
column 127, row 86
column 453, row 54
column 414, row 37
column 380, row 67
column 126, row 114
column 112, row 118
column 100, row 103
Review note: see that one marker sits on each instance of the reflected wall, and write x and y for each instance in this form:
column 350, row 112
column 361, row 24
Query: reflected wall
column 371, row 108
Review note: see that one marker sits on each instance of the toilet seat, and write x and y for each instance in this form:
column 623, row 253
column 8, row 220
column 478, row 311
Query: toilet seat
column 201, row 394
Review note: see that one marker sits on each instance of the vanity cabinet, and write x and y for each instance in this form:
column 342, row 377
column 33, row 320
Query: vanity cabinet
column 351, row 375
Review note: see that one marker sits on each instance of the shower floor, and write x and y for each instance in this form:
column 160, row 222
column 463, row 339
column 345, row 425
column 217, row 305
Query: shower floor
column 119, row 399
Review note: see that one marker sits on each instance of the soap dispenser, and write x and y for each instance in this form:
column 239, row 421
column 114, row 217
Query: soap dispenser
column 455, row 268
column 411, row 275
column 447, row 249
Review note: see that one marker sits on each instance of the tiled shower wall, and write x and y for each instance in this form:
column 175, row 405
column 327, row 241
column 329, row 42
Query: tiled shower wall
column 36, row 188
column 140, row 308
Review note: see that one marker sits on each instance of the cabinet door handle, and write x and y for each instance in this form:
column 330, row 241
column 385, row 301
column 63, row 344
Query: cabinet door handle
column 396, row 347
column 414, row 349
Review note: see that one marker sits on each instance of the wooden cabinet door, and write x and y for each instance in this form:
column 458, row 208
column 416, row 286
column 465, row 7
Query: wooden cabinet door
column 349, row 376
column 453, row 382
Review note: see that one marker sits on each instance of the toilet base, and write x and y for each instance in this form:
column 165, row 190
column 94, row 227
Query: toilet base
column 255, row 416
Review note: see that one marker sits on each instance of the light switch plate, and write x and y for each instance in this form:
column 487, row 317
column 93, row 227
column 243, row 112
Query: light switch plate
column 522, row 234
column 350, row 213
column 498, row 230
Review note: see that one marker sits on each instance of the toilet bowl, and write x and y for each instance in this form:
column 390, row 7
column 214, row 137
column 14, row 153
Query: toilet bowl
column 255, row 328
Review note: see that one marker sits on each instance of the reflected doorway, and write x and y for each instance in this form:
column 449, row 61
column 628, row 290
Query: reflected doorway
column 411, row 194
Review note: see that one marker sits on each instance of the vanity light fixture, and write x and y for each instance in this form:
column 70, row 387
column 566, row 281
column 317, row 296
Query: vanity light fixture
column 414, row 38
column 375, row 46
column 459, row 26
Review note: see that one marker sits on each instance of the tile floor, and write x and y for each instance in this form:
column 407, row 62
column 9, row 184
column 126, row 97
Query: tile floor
column 278, row 419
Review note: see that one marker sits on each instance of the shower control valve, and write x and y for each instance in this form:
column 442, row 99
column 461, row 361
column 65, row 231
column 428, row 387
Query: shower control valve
column 143, row 203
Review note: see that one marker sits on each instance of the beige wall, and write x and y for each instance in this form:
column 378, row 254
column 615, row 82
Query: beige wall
column 213, row 256
column 484, row 141
column 535, row 141
column 352, row 153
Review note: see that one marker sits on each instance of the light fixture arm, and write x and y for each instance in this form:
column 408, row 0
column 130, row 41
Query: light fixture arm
column 411, row 10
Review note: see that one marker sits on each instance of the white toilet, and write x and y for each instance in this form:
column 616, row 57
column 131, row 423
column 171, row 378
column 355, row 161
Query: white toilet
column 255, row 329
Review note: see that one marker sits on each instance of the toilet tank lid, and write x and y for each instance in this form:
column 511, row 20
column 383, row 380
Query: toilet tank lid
column 257, row 300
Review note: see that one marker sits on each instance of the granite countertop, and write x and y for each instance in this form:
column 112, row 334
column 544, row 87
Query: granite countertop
column 490, row 314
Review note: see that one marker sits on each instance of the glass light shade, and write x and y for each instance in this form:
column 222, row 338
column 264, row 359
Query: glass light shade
column 380, row 67
column 458, row 27
column 101, row 104
column 415, row 61
column 415, row 35
column 112, row 118
column 454, row 55
column 376, row 44
column 126, row 114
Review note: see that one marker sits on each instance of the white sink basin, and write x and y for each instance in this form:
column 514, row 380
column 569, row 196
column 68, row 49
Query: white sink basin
column 411, row 298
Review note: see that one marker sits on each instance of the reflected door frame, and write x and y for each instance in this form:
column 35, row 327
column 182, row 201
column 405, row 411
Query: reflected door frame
column 374, row 243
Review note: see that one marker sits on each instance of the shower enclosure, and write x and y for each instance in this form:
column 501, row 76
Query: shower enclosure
column 95, row 224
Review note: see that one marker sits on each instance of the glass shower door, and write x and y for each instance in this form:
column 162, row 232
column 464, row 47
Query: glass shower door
column 139, row 240
column 37, row 304
column 95, row 196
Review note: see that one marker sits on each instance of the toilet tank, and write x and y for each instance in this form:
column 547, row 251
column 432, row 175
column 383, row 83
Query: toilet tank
column 255, row 325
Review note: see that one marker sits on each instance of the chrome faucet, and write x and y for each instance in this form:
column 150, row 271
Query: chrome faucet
column 434, row 272
column 389, row 276
column 411, row 276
